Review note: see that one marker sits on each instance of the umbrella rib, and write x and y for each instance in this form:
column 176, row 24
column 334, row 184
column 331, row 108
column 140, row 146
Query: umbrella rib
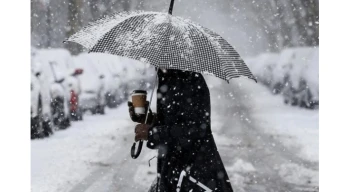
column 244, row 69
column 90, row 29
column 166, row 44
column 216, row 54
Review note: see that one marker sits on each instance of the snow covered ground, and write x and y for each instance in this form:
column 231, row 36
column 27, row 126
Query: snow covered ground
column 65, row 158
column 265, row 146
column 296, row 127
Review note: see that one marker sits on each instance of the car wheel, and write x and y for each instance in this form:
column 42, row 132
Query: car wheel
column 74, row 116
column 57, row 107
column 80, row 115
column 294, row 101
column 94, row 110
column 65, row 123
column 100, row 109
column 47, row 128
column 34, row 128
column 111, row 100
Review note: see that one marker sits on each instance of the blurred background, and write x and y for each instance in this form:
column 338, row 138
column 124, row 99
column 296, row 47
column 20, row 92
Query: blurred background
column 252, row 26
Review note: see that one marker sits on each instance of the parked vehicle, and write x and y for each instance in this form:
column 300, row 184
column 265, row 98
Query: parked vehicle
column 311, row 75
column 282, row 70
column 296, row 90
column 105, row 65
column 136, row 75
column 292, row 73
column 92, row 96
column 111, row 67
column 297, row 69
column 59, row 106
column 52, row 81
column 41, row 125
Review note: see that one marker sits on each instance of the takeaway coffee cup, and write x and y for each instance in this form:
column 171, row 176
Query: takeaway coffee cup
column 138, row 98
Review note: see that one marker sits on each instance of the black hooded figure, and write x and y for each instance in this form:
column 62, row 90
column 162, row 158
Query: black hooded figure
column 182, row 134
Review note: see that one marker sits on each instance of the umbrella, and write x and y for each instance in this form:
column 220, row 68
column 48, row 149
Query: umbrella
column 165, row 41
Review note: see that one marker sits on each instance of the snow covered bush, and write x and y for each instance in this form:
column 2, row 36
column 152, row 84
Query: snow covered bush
column 293, row 73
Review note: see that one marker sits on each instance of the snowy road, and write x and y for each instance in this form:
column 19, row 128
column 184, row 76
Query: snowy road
column 94, row 155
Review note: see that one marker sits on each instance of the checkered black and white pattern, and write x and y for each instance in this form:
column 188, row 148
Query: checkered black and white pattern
column 164, row 41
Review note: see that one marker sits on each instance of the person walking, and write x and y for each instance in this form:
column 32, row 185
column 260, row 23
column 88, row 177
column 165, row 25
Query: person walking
column 188, row 159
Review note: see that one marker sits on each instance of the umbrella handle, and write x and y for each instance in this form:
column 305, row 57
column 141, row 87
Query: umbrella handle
column 139, row 148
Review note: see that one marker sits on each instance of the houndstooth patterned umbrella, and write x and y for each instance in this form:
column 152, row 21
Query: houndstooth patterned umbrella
column 165, row 41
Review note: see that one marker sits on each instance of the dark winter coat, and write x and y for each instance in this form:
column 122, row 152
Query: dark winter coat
column 183, row 137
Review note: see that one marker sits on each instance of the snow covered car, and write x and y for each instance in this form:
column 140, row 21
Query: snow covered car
column 40, row 122
column 136, row 75
column 282, row 70
column 308, row 90
column 312, row 77
column 107, row 66
column 52, row 81
column 92, row 96
column 59, row 105
column 63, row 64
column 295, row 70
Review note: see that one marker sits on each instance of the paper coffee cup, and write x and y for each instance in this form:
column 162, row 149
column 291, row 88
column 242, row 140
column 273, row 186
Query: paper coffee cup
column 138, row 98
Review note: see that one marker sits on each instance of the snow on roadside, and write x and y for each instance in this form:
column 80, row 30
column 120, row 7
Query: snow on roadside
column 146, row 174
column 62, row 160
column 295, row 127
column 237, row 173
column 241, row 166
column 296, row 174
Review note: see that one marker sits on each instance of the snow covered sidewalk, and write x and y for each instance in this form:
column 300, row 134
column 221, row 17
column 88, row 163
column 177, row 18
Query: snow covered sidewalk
column 65, row 158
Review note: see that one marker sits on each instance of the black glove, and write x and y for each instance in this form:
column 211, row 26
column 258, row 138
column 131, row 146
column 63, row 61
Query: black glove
column 140, row 118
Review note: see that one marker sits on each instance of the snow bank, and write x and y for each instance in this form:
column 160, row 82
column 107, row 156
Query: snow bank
column 293, row 173
column 241, row 166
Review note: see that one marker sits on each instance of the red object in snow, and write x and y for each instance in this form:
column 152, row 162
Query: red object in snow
column 73, row 101
column 78, row 72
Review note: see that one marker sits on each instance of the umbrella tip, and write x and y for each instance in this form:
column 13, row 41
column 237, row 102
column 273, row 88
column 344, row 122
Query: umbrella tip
column 253, row 78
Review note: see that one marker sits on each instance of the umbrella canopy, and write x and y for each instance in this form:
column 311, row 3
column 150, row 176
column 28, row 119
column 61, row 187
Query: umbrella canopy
column 165, row 41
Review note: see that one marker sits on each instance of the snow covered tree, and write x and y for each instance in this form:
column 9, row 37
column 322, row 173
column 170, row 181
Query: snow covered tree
column 39, row 27
column 283, row 23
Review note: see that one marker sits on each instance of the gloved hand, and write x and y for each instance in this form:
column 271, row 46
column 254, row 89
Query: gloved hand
column 141, row 118
column 141, row 132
